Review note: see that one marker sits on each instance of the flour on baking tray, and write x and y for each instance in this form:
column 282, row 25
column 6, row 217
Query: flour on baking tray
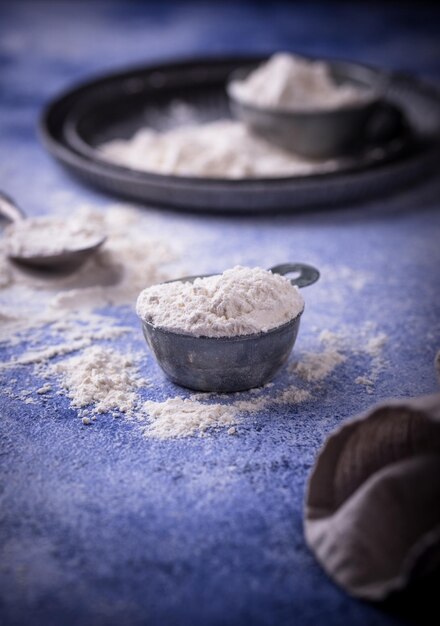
column 219, row 149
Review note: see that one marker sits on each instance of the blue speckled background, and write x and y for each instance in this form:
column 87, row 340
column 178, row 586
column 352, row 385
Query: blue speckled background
column 100, row 526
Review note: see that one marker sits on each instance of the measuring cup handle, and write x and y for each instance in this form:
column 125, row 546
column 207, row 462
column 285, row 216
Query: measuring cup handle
column 9, row 210
column 386, row 122
column 307, row 274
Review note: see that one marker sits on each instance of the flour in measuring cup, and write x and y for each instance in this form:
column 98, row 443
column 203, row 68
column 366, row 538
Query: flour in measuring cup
column 290, row 82
column 241, row 301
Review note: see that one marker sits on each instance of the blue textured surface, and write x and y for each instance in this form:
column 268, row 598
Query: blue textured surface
column 100, row 526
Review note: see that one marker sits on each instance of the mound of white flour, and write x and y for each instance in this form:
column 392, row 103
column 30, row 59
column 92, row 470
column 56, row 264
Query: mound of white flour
column 290, row 82
column 220, row 149
column 240, row 301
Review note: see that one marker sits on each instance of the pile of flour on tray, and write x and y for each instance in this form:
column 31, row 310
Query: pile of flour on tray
column 241, row 301
column 220, row 149
column 291, row 82
column 48, row 236
column 227, row 149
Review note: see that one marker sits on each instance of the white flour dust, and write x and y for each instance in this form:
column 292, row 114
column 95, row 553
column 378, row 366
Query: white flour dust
column 130, row 251
column 178, row 417
column 241, row 301
column 291, row 82
column 316, row 366
column 74, row 331
column 131, row 258
column 184, row 417
column 100, row 380
column 367, row 341
column 46, row 318
column 220, row 149
column 337, row 348
column 373, row 349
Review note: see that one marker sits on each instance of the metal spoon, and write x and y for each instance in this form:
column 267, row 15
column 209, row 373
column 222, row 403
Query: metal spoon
column 67, row 259
column 226, row 364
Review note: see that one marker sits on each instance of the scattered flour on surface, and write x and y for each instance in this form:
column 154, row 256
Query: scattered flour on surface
column 365, row 341
column 183, row 417
column 56, row 322
column 343, row 276
column 374, row 349
column 53, row 316
column 10, row 390
column 375, row 345
column 42, row 355
column 316, row 366
column 101, row 379
column 292, row 395
column 288, row 395
column 131, row 258
column 44, row 389
column 240, row 301
column 70, row 334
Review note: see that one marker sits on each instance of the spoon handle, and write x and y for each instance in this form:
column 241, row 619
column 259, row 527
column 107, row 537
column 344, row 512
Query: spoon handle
column 305, row 274
column 9, row 210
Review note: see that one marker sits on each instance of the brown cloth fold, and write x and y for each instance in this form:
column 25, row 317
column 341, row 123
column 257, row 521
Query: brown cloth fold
column 372, row 514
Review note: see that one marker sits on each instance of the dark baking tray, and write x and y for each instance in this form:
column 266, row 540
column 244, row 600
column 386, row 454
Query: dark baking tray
column 116, row 105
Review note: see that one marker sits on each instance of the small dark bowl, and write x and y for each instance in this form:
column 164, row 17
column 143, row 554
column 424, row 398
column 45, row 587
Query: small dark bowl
column 222, row 364
column 325, row 132
column 226, row 364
